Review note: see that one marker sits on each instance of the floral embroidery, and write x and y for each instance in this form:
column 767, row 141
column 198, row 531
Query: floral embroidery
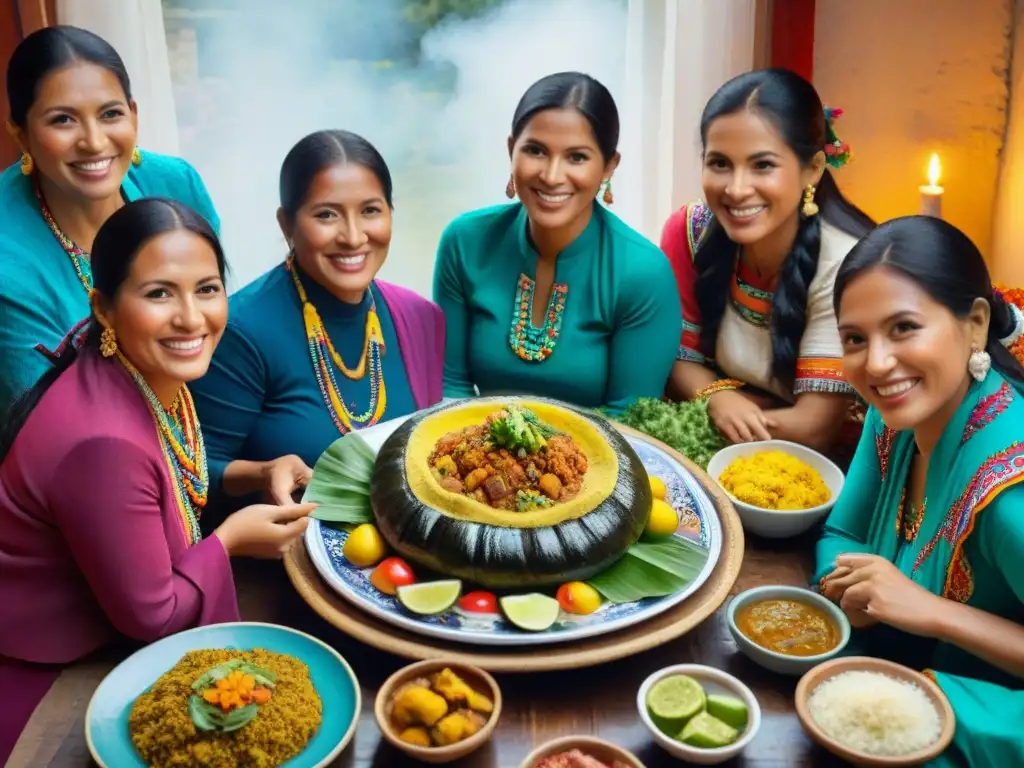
column 998, row 473
column 900, row 508
column 531, row 344
column 697, row 221
column 883, row 444
column 987, row 409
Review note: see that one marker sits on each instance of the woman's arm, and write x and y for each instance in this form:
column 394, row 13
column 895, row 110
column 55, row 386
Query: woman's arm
column 229, row 400
column 450, row 296
column 107, row 504
column 815, row 420
column 847, row 526
column 646, row 335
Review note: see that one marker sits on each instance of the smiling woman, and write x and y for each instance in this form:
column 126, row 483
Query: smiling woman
column 555, row 295
column 74, row 119
column 318, row 347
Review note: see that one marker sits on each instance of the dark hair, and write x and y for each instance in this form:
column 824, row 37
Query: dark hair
column 947, row 266
column 115, row 247
column 321, row 150
column 575, row 90
column 52, row 48
column 793, row 108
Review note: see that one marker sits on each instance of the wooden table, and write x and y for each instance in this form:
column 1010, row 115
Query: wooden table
column 538, row 707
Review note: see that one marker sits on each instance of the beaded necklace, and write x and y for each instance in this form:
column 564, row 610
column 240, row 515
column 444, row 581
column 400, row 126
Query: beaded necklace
column 181, row 441
column 79, row 257
column 322, row 354
column 529, row 343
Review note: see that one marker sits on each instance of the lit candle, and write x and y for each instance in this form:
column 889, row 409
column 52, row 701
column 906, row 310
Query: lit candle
column 931, row 194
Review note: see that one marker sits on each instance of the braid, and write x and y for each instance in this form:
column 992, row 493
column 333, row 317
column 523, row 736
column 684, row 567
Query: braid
column 789, row 308
column 714, row 263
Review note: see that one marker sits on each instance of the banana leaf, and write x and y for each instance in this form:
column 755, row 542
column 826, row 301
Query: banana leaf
column 651, row 569
column 341, row 482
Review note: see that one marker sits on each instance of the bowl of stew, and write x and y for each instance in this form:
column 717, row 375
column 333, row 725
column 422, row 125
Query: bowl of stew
column 787, row 630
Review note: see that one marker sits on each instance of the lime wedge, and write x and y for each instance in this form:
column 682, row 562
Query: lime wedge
column 729, row 710
column 533, row 612
column 707, row 732
column 673, row 700
column 430, row 597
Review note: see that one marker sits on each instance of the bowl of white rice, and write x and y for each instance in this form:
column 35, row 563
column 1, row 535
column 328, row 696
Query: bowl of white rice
column 874, row 712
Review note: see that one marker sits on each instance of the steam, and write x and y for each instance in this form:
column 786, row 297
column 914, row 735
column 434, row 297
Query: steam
column 278, row 77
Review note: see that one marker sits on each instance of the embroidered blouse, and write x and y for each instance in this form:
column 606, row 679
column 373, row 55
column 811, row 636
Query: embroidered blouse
column 743, row 348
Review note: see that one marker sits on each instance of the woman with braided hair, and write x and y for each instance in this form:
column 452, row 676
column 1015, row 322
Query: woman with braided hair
column 755, row 263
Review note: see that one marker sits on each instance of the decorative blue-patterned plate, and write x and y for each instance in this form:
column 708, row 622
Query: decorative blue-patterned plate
column 106, row 719
column 698, row 521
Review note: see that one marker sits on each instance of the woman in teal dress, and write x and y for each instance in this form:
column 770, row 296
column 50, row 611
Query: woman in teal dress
column 554, row 295
column 318, row 347
column 923, row 550
column 72, row 115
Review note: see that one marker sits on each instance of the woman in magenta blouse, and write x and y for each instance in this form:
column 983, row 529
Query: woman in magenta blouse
column 103, row 470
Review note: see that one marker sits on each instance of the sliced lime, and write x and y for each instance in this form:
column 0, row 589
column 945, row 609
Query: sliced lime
column 430, row 597
column 707, row 732
column 533, row 612
column 673, row 700
column 728, row 709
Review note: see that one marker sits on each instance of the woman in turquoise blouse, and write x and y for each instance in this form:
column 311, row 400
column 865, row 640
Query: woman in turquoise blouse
column 555, row 295
column 73, row 116
column 317, row 347
column 923, row 550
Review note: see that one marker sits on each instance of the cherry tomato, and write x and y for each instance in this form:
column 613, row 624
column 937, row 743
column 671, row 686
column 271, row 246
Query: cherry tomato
column 578, row 597
column 479, row 602
column 391, row 574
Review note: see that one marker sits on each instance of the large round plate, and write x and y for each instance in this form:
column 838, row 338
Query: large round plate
column 106, row 719
column 698, row 521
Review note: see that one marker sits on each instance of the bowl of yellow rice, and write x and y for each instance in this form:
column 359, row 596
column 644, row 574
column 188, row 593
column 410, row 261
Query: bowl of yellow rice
column 780, row 489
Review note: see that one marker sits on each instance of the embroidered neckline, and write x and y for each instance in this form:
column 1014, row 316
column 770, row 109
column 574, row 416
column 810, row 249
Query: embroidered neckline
column 532, row 344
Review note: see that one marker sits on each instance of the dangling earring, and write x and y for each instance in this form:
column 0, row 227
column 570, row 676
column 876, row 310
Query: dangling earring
column 810, row 208
column 136, row 157
column 510, row 188
column 108, row 342
column 27, row 164
column 978, row 364
column 608, row 197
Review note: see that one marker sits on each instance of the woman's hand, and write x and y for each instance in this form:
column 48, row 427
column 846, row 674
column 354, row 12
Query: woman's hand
column 263, row 530
column 739, row 419
column 283, row 477
column 870, row 589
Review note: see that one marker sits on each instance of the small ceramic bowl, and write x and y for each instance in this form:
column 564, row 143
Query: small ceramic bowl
column 597, row 748
column 809, row 682
column 773, row 660
column 775, row 523
column 475, row 677
column 714, row 681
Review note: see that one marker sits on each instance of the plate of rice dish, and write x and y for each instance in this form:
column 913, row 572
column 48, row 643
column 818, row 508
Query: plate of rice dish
column 244, row 694
column 874, row 712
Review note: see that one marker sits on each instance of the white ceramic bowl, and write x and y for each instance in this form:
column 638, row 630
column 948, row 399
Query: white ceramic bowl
column 774, row 523
column 714, row 681
column 780, row 662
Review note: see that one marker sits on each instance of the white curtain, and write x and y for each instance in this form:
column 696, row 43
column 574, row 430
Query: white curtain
column 678, row 53
column 136, row 29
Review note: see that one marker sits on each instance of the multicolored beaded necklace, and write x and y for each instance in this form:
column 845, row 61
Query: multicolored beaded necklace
column 322, row 354
column 182, row 442
column 79, row 257
column 530, row 343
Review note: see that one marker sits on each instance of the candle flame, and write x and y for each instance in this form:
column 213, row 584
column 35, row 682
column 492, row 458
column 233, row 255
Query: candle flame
column 934, row 170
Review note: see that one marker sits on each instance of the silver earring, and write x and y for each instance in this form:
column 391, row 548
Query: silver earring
column 978, row 364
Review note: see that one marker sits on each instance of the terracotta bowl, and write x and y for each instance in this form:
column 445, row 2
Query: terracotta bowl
column 597, row 748
column 475, row 677
column 815, row 677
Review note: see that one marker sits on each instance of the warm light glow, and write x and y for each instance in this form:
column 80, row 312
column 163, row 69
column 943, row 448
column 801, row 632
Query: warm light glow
column 934, row 170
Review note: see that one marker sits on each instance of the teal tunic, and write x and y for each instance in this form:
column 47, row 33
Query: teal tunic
column 968, row 548
column 260, row 399
column 41, row 297
column 620, row 323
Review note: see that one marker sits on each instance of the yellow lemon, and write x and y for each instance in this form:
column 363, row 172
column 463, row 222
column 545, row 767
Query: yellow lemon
column 664, row 520
column 364, row 546
column 658, row 487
